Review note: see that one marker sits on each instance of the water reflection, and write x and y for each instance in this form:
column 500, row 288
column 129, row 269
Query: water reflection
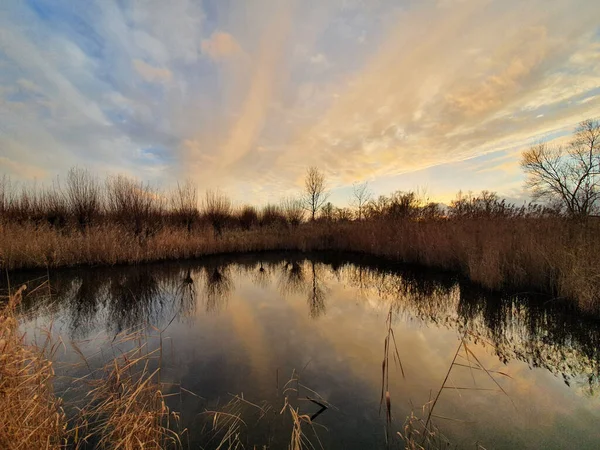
column 243, row 324
column 217, row 286
column 547, row 334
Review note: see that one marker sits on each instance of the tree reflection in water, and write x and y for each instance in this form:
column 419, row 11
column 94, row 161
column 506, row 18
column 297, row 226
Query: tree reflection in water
column 218, row 286
column 549, row 334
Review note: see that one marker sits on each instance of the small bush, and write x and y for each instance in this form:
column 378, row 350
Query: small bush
column 134, row 205
column 83, row 196
column 184, row 205
column 217, row 209
column 247, row 217
column 272, row 216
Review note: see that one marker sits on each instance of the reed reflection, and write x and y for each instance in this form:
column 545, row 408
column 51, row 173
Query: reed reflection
column 218, row 287
column 552, row 335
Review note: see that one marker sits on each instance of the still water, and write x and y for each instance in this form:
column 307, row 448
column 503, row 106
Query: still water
column 246, row 325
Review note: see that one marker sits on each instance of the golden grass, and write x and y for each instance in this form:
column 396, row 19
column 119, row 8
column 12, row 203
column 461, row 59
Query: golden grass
column 31, row 416
column 549, row 255
column 231, row 422
column 125, row 407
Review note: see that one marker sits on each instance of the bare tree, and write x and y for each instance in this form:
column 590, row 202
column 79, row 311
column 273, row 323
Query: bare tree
column 327, row 212
column 316, row 294
column 272, row 216
column 315, row 191
column 567, row 176
column 55, row 205
column 361, row 195
column 342, row 214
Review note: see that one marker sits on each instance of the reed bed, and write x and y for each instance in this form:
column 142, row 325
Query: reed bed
column 31, row 415
column 121, row 404
column 548, row 255
column 124, row 221
column 124, row 406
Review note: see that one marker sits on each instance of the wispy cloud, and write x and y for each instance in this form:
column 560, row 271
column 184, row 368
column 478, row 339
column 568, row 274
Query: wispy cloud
column 151, row 73
column 246, row 97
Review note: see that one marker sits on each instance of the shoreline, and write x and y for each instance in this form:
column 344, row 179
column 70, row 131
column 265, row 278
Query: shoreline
column 546, row 256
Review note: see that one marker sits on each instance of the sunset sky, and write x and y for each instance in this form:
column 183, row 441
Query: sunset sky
column 245, row 95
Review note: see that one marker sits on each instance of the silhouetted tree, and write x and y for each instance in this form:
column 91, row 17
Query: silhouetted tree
column 133, row 204
column 327, row 211
column 271, row 215
column 248, row 217
column 361, row 195
column 342, row 214
column 184, row 204
column 315, row 191
column 568, row 176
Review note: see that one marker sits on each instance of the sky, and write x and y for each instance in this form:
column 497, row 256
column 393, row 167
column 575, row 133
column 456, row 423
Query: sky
column 244, row 96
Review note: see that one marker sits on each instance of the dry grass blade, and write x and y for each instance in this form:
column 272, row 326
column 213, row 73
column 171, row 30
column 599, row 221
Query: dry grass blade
column 385, row 365
column 504, row 374
column 489, row 374
column 126, row 408
column 30, row 414
column 435, row 400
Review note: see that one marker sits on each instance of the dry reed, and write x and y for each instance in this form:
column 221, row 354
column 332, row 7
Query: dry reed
column 31, row 416
column 419, row 432
column 125, row 407
column 548, row 255
column 122, row 408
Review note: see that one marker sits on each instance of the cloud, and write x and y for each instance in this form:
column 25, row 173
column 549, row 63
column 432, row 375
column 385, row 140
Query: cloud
column 21, row 170
column 177, row 25
column 364, row 90
column 220, row 46
column 319, row 60
column 257, row 91
column 451, row 100
column 151, row 73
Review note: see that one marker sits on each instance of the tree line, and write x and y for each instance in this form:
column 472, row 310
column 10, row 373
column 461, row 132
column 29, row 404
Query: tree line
column 564, row 178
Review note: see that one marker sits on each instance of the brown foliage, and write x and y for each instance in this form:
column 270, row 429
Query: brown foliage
column 31, row 416
column 545, row 254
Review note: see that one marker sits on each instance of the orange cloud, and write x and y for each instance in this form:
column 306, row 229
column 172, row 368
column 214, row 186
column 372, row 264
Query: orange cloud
column 221, row 45
column 150, row 73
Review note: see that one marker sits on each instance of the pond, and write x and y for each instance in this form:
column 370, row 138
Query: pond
column 244, row 326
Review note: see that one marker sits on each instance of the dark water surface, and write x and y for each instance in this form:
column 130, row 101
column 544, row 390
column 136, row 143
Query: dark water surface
column 243, row 325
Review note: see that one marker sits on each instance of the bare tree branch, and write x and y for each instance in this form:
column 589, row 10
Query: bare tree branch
column 567, row 176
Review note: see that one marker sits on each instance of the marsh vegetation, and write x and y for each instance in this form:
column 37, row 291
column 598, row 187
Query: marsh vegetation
column 549, row 248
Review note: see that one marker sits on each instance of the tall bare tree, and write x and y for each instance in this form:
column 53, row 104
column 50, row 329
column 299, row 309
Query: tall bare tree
column 361, row 195
column 315, row 191
column 567, row 176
